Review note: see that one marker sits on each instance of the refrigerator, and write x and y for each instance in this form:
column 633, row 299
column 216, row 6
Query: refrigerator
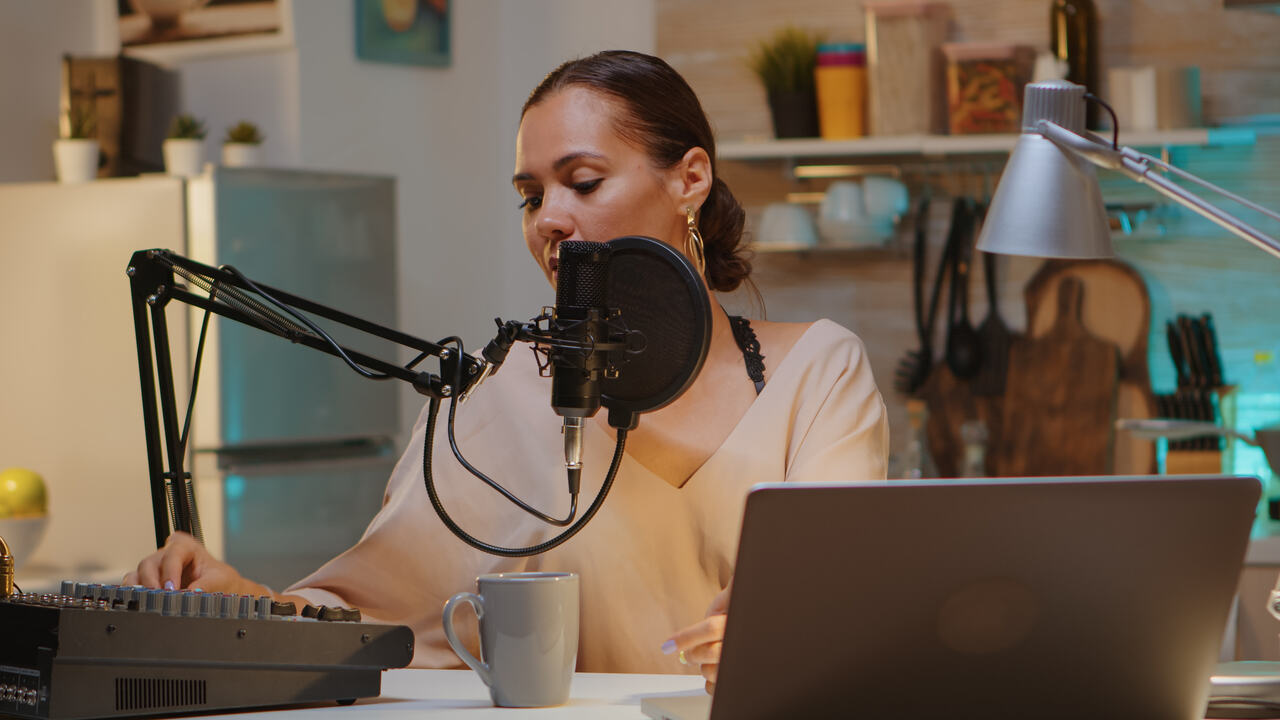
column 292, row 448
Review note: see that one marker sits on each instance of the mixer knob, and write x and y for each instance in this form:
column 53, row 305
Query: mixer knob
column 227, row 606
column 263, row 608
column 172, row 602
column 244, row 607
column 68, row 588
column 155, row 601
column 190, row 604
column 209, row 603
column 81, row 590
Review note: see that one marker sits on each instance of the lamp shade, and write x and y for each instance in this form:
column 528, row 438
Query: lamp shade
column 1047, row 203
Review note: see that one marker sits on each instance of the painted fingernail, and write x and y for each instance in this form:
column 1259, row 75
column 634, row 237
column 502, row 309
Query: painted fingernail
column 668, row 647
column 168, row 584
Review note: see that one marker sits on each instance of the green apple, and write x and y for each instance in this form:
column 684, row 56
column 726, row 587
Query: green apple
column 22, row 493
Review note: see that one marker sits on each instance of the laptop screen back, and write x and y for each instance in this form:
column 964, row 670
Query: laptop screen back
column 1047, row 598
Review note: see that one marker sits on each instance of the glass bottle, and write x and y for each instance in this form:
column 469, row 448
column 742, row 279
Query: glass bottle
column 1073, row 39
column 917, row 462
column 973, row 433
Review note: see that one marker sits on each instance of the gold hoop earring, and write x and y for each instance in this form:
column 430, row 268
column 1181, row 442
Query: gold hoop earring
column 693, row 243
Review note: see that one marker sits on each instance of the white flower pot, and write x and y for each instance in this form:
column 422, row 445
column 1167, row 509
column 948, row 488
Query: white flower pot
column 183, row 157
column 76, row 161
column 241, row 154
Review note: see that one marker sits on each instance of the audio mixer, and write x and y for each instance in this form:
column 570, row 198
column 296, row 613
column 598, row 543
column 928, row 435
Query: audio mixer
column 97, row 651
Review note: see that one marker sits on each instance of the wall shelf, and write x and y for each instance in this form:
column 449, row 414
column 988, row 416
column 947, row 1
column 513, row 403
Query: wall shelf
column 888, row 251
column 937, row 146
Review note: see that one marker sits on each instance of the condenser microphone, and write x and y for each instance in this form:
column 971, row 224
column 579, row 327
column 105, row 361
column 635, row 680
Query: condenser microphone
column 578, row 324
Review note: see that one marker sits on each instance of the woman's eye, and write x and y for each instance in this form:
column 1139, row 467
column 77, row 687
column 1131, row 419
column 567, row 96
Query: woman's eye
column 532, row 202
column 584, row 188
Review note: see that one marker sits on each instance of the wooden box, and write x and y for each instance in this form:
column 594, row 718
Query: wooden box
column 905, row 67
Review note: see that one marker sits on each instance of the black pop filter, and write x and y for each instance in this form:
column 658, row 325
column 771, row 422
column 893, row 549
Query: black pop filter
column 661, row 295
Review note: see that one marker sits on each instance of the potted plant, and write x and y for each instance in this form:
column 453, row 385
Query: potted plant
column 184, row 146
column 242, row 146
column 785, row 65
column 75, row 153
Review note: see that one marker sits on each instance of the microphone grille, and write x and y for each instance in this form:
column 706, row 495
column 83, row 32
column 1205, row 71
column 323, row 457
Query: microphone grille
column 581, row 274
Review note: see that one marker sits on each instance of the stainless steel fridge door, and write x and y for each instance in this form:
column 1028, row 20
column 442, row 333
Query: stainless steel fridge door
column 280, row 522
column 326, row 237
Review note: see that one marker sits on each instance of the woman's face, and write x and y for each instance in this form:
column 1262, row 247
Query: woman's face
column 578, row 179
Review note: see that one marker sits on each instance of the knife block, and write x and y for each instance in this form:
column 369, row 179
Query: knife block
column 1208, row 462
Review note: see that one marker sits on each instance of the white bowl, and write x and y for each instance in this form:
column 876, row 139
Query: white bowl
column 787, row 225
column 23, row 535
column 856, row 233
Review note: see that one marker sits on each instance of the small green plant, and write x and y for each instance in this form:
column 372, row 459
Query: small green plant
column 785, row 62
column 244, row 132
column 187, row 127
column 82, row 123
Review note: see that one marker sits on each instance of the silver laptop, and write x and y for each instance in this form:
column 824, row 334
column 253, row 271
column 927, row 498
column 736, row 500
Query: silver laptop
column 1045, row 598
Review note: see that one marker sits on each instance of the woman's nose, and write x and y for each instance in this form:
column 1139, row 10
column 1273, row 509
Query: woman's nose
column 554, row 220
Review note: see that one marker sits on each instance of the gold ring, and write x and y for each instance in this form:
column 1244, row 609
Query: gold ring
column 683, row 660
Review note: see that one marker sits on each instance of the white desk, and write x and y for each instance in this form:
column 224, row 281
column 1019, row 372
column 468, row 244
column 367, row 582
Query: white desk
column 461, row 694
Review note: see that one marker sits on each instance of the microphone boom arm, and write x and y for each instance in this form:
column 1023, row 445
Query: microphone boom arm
column 155, row 276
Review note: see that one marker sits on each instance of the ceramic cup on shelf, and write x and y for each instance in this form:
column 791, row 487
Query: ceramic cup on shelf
column 843, row 202
column 843, row 219
column 884, row 197
column 786, row 225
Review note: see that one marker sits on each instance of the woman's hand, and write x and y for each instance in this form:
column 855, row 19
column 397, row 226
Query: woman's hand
column 185, row 563
column 701, row 643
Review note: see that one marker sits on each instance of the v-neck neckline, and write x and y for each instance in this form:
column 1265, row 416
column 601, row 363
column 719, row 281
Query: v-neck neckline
column 781, row 371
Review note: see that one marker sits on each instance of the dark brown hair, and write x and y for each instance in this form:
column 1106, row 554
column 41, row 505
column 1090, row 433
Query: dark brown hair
column 662, row 115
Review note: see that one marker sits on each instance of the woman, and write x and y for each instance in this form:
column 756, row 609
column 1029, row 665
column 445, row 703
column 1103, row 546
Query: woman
column 610, row 145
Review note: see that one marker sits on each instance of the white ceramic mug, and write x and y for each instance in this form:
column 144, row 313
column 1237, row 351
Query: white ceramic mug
column 528, row 636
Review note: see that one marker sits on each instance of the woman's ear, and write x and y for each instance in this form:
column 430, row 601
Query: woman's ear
column 690, row 180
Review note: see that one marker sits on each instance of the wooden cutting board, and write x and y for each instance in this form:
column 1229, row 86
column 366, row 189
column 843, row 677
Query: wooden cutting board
column 1060, row 398
column 1116, row 307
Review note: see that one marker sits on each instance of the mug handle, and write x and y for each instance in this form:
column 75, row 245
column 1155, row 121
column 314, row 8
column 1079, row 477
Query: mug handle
column 477, row 603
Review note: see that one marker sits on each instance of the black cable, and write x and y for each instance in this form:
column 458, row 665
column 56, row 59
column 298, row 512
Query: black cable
column 1115, row 124
column 432, row 409
column 453, row 445
column 309, row 325
column 195, row 380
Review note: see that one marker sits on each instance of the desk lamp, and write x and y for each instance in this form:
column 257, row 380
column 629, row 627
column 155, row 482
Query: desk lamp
column 1048, row 203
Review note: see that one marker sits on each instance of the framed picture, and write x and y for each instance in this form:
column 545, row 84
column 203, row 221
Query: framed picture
column 167, row 30
column 406, row 32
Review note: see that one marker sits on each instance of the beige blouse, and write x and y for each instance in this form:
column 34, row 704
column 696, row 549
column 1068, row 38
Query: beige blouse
column 653, row 557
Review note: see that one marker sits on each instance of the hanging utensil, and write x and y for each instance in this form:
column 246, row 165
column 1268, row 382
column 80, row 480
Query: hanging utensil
column 964, row 347
column 995, row 338
column 913, row 368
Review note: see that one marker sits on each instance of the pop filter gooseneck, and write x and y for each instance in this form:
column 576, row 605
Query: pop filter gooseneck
column 660, row 312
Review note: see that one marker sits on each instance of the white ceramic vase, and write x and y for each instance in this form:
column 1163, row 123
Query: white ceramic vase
column 241, row 154
column 183, row 157
column 76, row 160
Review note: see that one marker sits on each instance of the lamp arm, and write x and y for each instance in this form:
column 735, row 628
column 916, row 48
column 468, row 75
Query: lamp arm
column 1138, row 167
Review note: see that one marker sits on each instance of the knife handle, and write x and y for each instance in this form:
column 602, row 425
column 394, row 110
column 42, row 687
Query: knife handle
column 1211, row 346
column 1175, row 352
